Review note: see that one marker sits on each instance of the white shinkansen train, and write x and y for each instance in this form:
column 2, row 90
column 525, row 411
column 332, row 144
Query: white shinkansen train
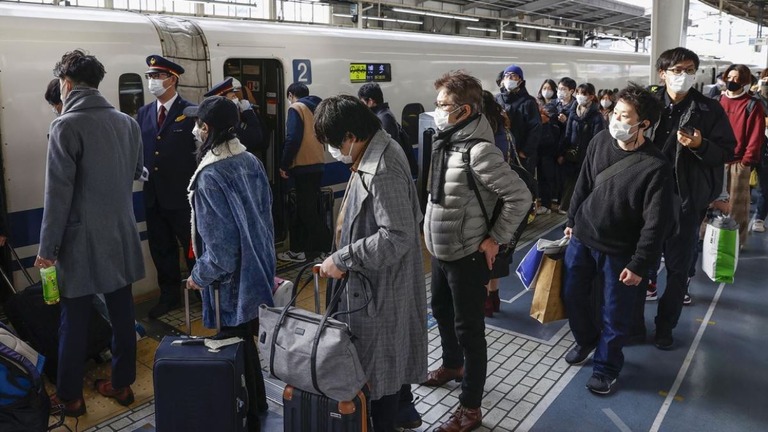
column 265, row 57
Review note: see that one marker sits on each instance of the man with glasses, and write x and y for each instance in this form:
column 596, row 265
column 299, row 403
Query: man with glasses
column 169, row 148
column 696, row 137
column 466, row 167
column 523, row 112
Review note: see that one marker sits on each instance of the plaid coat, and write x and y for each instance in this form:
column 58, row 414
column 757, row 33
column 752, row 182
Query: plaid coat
column 380, row 241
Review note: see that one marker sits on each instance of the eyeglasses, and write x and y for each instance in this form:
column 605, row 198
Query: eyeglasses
column 161, row 76
column 443, row 106
column 678, row 71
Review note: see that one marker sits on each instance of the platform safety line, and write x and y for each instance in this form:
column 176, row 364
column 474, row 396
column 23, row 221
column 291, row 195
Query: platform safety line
column 616, row 420
column 686, row 363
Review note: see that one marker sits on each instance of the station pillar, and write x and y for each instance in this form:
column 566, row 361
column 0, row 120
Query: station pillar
column 669, row 27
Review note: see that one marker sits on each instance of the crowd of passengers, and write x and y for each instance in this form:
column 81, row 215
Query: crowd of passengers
column 682, row 154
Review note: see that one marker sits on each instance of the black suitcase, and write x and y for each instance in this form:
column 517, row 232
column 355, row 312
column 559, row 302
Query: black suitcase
column 197, row 389
column 38, row 323
column 308, row 412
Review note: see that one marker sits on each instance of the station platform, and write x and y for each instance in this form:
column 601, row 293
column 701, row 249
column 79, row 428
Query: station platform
column 712, row 380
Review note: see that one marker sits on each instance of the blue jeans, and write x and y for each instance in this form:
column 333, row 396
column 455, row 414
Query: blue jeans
column 582, row 265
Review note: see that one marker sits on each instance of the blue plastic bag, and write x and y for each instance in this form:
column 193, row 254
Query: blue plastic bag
column 528, row 269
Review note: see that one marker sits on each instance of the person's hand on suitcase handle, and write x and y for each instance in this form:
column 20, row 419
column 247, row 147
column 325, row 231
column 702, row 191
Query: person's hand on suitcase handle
column 192, row 285
column 328, row 269
column 41, row 262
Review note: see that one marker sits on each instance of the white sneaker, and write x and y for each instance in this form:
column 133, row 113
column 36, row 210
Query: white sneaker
column 543, row 210
column 758, row 226
column 297, row 257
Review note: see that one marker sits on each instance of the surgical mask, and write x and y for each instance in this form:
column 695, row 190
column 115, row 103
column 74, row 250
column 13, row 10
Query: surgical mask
column 510, row 84
column 582, row 99
column 561, row 94
column 732, row 86
column 236, row 101
column 621, row 131
column 198, row 133
column 55, row 111
column 441, row 118
column 155, row 87
column 547, row 94
column 64, row 95
column 339, row 156
column 605, row 103
column 680, row 83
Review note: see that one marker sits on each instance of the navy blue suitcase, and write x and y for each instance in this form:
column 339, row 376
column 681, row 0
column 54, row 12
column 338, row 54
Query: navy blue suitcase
column 309, row 412
column 199, row 390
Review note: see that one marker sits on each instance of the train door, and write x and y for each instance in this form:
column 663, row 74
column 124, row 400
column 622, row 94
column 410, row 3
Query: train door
column 263, row 85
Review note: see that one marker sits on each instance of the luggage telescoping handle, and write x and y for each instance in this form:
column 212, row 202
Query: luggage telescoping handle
column 217, row 304
column 316, row 277
column 8, row 281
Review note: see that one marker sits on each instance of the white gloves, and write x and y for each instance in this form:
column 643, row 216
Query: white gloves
column 245, row 104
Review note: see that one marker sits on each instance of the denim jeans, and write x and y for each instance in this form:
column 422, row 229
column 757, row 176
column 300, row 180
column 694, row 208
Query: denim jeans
column 762, row 200
column 458, row 298
column 582, row 265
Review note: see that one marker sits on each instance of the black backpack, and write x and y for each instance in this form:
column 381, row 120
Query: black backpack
column 405, row 142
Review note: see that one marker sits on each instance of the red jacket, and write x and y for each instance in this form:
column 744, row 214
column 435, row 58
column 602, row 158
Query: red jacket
column 749, row 131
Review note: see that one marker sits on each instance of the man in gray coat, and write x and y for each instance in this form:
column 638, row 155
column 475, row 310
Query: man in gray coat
column 463, row 239
column 89, row 229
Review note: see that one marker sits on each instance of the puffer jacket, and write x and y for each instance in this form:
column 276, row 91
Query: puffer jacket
column 455, row 226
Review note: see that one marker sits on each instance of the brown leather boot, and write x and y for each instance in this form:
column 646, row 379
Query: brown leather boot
column 123, row 396
column 462, row 420
column 488, row 307
column 442, row 375
column 73, row 408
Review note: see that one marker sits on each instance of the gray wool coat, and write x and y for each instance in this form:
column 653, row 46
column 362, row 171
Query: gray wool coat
column 94, row 154
column 380, row 240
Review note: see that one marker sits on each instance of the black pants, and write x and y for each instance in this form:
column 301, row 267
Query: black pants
column 678, row 253
column 547, row 176
column 384, row 410
column 309, row 234
column 254, row 377
column 166, row 230
column 458, row 298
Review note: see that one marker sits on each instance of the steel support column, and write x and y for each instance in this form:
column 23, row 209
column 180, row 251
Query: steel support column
column 669, row 26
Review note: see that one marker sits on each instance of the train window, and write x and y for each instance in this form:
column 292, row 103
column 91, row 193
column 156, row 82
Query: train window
column 370, row 72
column 410, row 120
column 131, row 90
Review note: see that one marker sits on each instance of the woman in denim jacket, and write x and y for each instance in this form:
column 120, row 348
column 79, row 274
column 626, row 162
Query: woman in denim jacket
column 233, row 235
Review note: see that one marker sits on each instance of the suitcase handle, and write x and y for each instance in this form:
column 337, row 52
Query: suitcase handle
column 21, row 266
column 217, row 304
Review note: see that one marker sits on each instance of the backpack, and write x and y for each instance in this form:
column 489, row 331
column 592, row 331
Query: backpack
column 24, row 404
column 405, row 142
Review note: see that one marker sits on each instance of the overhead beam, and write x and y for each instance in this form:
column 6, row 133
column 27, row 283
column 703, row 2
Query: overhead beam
column 613, row 6
column 539, row 4
column 614, row 19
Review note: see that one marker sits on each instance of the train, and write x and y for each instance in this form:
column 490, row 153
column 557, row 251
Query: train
column 265, row 57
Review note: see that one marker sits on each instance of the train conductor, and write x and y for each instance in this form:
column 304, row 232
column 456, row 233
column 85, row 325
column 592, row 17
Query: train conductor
column 169, row 148
column 249, row 129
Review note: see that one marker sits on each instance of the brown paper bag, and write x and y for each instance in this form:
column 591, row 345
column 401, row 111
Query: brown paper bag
column 547, row 303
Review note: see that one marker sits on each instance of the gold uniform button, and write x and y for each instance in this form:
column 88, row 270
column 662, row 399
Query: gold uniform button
column 157, row 153
column 156, row 168
column 158, row 137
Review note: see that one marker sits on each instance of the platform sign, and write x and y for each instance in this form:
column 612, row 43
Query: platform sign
column 302, row 71
column 370, row 72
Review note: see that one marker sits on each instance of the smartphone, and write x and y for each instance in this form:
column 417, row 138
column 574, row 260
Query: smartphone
column 689, row 130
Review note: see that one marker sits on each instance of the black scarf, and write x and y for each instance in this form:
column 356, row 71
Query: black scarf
column 439, row 156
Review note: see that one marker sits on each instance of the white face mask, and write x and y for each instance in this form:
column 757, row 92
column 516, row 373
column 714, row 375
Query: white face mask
column 621, row 131
column 680, row 83
column 605, row 103
column 547, row 94
column 561, row 94
column 510, row 84
column 582, row 99
column 55, row 111
column 64, row 95
column 441, row 118
column 236, row 101
column 198, row 133
column 339, row 156
column 155, row 87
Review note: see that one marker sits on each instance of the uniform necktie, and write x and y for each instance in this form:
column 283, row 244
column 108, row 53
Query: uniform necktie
column 161, row 117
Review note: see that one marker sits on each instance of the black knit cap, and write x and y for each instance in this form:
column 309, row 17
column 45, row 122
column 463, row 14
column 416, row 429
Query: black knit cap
column 218, row 112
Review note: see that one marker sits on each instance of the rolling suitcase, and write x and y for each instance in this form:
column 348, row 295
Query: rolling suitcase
column 38, row 323
column 196, row 388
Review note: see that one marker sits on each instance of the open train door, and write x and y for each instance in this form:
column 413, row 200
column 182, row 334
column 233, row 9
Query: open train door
column 263, row 85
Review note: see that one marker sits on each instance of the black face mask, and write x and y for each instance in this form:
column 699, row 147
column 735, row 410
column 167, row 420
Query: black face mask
column 732, row 86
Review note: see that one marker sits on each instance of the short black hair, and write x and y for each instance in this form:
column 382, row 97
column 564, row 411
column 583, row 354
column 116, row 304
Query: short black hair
column 586, row 88
column 371, row 91
column 673, row 56
column 297, row 89
column 568, row 82
column 53, row 92
column 647, row 106
column 339, row 116
column 80, row 68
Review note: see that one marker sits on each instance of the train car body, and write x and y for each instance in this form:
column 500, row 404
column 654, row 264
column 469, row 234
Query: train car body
column 265, row 57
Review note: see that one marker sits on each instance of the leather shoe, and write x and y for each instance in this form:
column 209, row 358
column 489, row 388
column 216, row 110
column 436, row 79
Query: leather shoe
column 462, row 420
column 123, row 396
column 73, row 408
column 442, row 375
column 161, row 309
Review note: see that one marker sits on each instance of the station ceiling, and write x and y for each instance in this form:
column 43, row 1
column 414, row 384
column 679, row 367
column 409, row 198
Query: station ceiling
column 755, row 11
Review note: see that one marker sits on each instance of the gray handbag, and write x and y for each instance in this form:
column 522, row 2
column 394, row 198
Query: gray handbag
column 310, row 351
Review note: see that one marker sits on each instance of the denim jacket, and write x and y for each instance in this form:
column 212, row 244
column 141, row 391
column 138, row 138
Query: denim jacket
column 233, row 234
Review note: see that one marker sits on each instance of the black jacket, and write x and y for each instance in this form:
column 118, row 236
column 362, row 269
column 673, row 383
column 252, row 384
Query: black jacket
column 390, row 126
column 579, row 131
column 698, row 172
column 523, row 112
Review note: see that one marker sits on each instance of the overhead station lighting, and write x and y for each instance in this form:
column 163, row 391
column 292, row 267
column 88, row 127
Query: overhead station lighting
column 482, row 29
column 564, row 37
column 340, row 15
column 538, row 27
column 435, row 14
column 513, row 32
column 401, row 21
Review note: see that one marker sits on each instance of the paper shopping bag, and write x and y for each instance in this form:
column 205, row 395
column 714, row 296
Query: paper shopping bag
column 547, row 305
column 720, row 254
